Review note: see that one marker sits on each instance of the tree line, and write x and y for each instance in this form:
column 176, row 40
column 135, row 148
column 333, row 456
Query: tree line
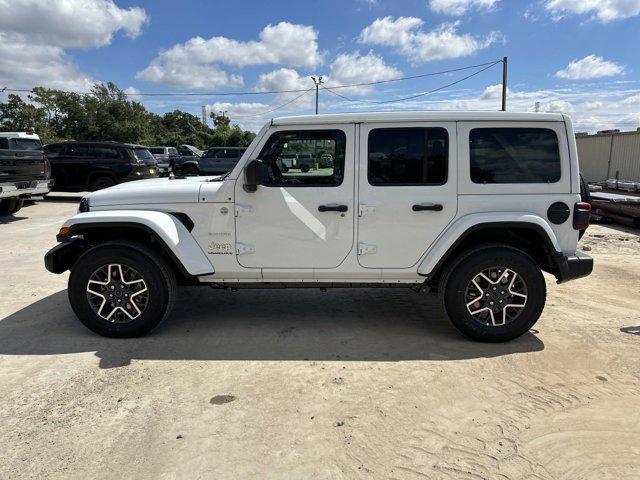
column 107, row 114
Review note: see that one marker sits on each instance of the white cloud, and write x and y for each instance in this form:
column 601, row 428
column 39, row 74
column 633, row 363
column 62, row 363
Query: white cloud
column 34, row 35
column 282, row 79
column 189, row 75
column 350, row 68
column 633, row 100
column 44, row 65
column 589, row 67
column 460, row 7
column 493, row 92
column 406, row 35
column 196, row 63
column 69, row 23
column 602, row 10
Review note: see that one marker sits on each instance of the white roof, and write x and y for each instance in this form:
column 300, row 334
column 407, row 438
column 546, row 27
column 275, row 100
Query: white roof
column 31, row 136
column 420, row 116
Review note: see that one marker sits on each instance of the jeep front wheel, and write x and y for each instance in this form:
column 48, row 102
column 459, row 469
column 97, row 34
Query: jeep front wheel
column 121, row 289
column 493, row 294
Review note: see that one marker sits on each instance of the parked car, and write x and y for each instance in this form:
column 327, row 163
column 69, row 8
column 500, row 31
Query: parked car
column 24, row 170
column 473, row 205
column 79, row 166
column 166, row 158
column 215, row 161
column 189, row 151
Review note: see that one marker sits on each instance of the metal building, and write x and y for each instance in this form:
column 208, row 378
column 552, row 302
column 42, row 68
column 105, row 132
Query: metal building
column 609, row 154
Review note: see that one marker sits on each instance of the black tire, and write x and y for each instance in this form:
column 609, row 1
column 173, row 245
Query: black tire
column 455, row 286
column 158, row 277
column 100, row 183
column 305, row 168
column 190, row 171
column 9, row 206
column 19, row 204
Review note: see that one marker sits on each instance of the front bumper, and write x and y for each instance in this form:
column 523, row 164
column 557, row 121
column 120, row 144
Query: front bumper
column 570, row 267
column 25, row 189
column 61, row 257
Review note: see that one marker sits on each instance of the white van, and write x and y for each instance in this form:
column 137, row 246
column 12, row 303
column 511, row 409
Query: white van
column 474, row 205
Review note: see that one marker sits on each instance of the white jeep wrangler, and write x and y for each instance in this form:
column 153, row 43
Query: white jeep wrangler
column 473, row 205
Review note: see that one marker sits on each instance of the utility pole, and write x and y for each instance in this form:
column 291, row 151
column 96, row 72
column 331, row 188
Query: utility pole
column 505, row 63
column 317, row 82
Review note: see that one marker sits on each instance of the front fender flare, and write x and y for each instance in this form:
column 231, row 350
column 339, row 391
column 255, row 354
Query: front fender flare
column 165, row 227
column 459, row 229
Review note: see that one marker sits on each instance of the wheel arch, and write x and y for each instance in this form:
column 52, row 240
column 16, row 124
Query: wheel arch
column 165, row 232
column 100, row 173
column 529, row 233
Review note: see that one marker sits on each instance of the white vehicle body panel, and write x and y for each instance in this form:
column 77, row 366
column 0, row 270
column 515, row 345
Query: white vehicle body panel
column 278, row 234
column 386, row 220
column 173, row 233
column 283, row 225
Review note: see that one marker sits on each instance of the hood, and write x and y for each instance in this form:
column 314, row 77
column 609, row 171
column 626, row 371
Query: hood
column 155, row 190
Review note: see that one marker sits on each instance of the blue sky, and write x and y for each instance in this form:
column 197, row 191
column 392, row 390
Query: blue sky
column 576, row 56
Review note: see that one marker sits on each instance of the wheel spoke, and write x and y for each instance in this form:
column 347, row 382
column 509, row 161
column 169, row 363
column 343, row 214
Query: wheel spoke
column 502, row 299
column 117, row 293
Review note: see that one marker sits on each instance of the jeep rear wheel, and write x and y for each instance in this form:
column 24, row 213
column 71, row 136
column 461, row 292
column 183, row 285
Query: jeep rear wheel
column 493, row 294
column 121, row 289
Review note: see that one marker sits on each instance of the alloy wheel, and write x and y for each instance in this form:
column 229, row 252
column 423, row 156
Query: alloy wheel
column 117, row 293
column 496, row 296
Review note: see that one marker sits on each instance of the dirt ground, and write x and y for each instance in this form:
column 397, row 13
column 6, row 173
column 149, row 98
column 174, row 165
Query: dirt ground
column 306, row 385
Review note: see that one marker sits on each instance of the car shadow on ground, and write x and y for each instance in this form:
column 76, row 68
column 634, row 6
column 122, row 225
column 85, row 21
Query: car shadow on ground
column 345, row 325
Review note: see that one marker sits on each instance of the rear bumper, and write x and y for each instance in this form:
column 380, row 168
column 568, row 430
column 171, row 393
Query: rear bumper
column 570, row 267
column 25, row 189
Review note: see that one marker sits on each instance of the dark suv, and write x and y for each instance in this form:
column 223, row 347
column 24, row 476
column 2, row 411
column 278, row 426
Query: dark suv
column 79, row 166
column 215, row 161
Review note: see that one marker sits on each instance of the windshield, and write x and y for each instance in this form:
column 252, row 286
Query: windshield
column 157, row 151
column 26, row 144
column 144, row 155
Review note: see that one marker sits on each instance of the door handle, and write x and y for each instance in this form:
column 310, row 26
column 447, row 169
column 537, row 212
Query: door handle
column 333, row 208
column 427, row 207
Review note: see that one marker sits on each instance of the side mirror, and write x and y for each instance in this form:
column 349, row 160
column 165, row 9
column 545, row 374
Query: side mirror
column 252, row 175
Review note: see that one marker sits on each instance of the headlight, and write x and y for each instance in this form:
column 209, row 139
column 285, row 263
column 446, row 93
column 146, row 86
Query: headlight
column 84, row 205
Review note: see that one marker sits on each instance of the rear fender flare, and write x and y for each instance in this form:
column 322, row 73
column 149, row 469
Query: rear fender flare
column 166, row 228
column 457, row 231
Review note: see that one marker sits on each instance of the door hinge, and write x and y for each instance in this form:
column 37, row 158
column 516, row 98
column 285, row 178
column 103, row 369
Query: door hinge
column 243, row 209
column 365, row 210
column 366, row 249
column 242, row 248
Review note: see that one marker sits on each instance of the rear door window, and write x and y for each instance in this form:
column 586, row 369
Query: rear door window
column 53, row 151
column 408, row 156
column 4, row 143
column 79, row 151
column 106, row 152
column 514, row 155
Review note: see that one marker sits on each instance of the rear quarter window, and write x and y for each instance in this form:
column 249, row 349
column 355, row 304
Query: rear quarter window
column 514, row 155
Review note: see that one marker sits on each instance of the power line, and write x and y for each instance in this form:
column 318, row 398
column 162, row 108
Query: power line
column 276, row 108
column 270, row 92
column 330, row 90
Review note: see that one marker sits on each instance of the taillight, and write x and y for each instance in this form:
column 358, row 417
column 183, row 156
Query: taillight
column 581, row 214
column 45, row 166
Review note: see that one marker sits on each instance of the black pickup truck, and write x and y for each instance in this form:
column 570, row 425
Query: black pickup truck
column 24, row 170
